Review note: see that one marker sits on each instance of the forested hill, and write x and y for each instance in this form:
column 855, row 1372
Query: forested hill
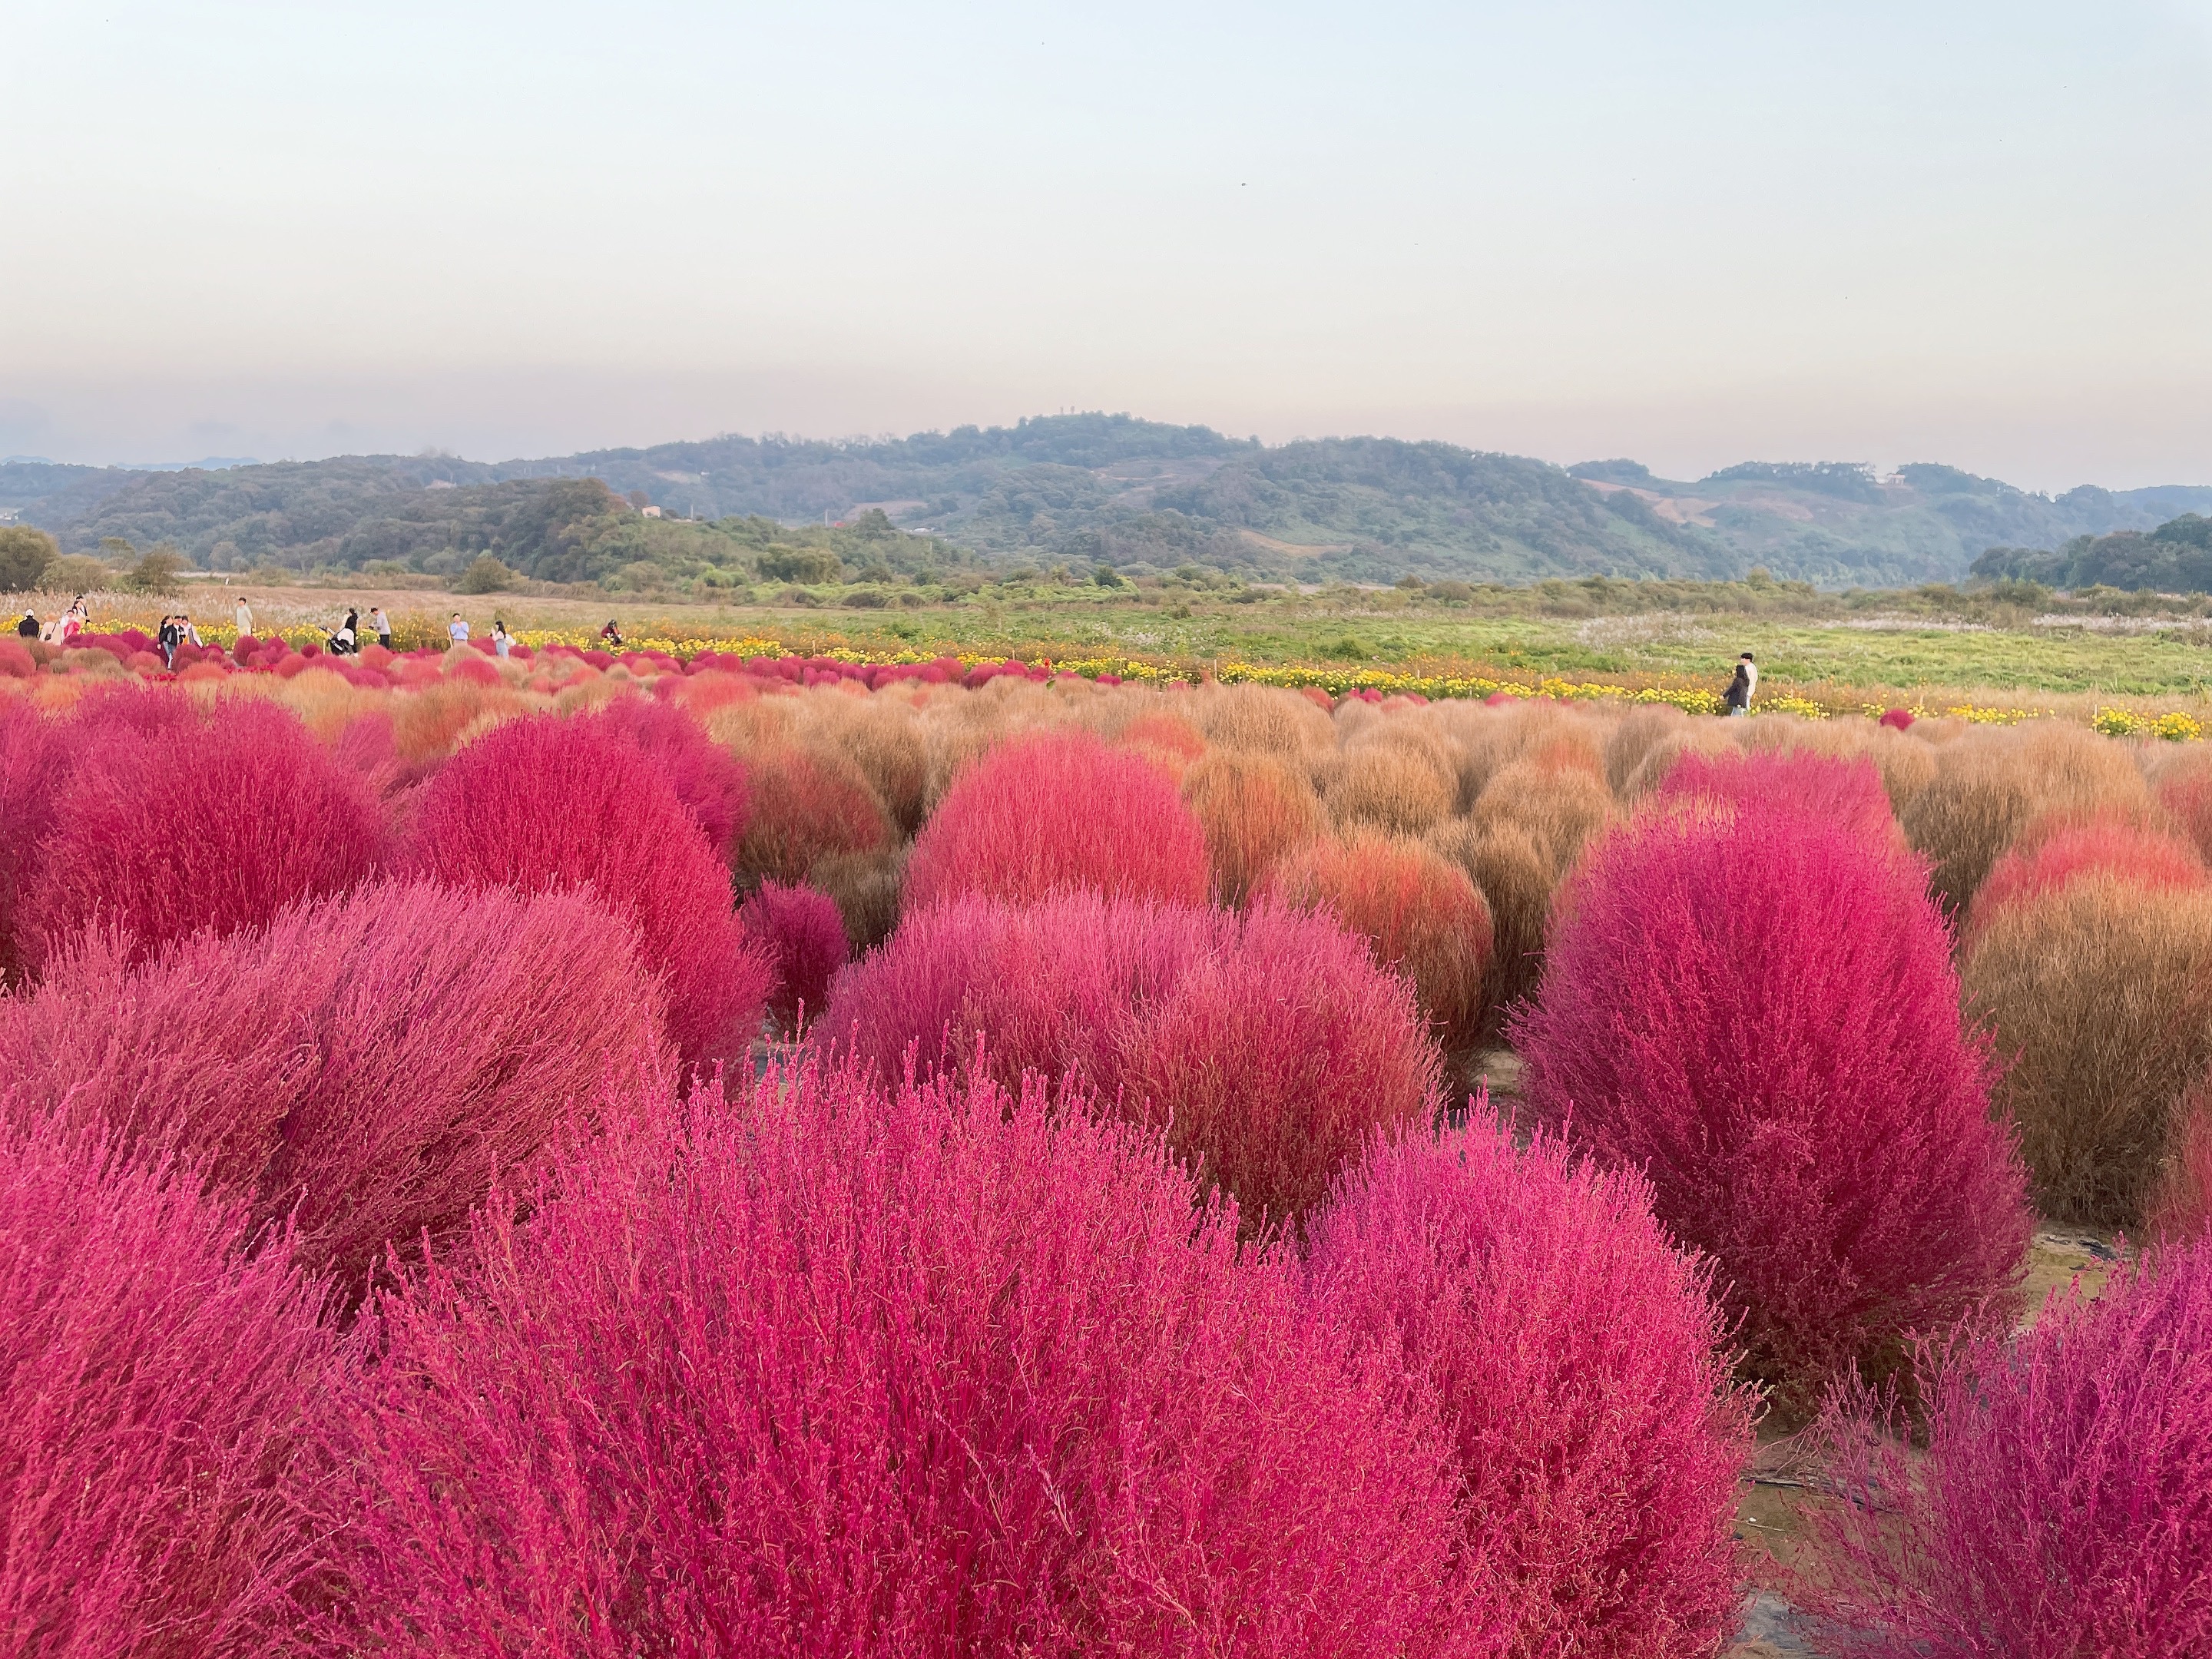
column 1087, row 488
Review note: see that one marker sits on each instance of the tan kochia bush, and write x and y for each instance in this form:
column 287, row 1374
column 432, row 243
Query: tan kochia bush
column 1261, row 719
column 964, row 728
column 1488, row 740
column 1399, row 778
column 1516, row 880
column 866, row 888
column 2100, row 997
column 882, row 738
column 1254, row 809
column 1990, row 785
column 1638, row 733
column 1557, row 807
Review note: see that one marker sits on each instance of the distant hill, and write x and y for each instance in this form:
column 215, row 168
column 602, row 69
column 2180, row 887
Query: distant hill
column 1086, row 489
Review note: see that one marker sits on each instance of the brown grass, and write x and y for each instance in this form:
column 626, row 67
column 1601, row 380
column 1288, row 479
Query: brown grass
column 1488, row 740
column 2101, row 998
column 1558, row 807
column 1254, row 808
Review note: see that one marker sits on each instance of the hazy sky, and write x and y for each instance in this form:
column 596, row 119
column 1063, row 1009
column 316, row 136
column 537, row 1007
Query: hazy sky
column 1692, row 234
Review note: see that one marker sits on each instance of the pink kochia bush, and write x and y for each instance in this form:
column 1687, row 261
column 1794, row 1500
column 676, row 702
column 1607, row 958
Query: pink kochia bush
column 1846, row 794
column 1057, row 810
column 154, row 1374
column 545, row 805
column 1757, row 1008
column 365, row 1067
column 1576, row 1358
column 706, row 777
column 177, row 819
column 1269, row 1044
column 799, row 929
column 2063, row 1507
column 823, row 1369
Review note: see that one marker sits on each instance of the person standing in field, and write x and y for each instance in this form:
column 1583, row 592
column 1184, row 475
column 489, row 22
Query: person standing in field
column 381, row 625
column 241, row 618
column 1736, row 700
column 28, row 628
column 501, row 641
column 456, row 630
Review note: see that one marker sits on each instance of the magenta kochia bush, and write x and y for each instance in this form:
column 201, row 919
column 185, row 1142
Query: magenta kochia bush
column 1046, row 987
column 824, row 1371
column 1843, row 793
column 1058, row 810
column 177, row 819
column 706, row 777
column 1269, row 1044
column 547, row 804
column 2063, row 1507
column 365, row 1067
column 153, row 1378
column 799, row 929
column 1577, row 1359
column 1758, row 1009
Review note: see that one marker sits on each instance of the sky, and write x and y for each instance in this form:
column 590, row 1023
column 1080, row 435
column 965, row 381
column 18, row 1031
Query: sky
column 1691, row 233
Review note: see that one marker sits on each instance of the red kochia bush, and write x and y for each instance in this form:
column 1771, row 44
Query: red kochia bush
column 547, row 804
column 799, row 930
column 1759, row 1010
column 1045, row 987
column 1847, row 793
column 706, row 777
column 153, row 1377
column 823, row 1371
column 1271, row 1045
column 33, row 761
column 1576, row 1358
column 1056, row 810
column 2107, row 846
column 1275, row 1057
column 2064, row 1505
column 365, row 1066
column 176, row 820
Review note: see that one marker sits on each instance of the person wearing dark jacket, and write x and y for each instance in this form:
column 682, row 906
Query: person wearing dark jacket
column 1737, row 698
column 28, row 628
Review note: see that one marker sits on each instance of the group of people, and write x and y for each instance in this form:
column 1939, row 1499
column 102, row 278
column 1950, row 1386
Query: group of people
column 501, row 641
column 344, row 639
column 176, row 631
column 1737, row 698
column 61, row 629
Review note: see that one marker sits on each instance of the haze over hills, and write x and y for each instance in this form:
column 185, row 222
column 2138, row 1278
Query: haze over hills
column 1085, row 490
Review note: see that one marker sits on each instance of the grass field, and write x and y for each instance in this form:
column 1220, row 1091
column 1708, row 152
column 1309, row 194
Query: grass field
column 1856, row 656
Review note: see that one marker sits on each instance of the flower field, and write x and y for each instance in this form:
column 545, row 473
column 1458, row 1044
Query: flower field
column 709, row 1149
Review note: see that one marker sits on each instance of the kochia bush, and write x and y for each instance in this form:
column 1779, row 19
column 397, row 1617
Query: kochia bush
column 1758, row 1010
column 154, row 1373
column 33, row 761
column 363, row 1067
column 1056, row 810
column 176, row 821
column 706, row 777
column 546, row 804
column 823, row 1369
column 1577, row 1359
column 2063, row 1506
column 1845, row 793
column 800, row 931
column 1270, row 1044
column 1419, row 913
column 2132, row 855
